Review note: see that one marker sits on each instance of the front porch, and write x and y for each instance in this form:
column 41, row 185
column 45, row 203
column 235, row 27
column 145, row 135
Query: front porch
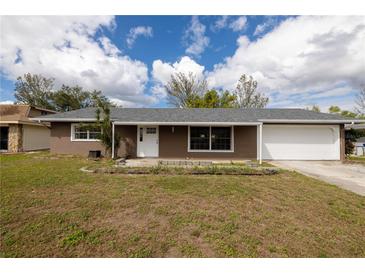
column 194, row 141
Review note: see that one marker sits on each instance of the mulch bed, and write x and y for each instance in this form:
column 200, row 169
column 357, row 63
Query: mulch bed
column 186, row 171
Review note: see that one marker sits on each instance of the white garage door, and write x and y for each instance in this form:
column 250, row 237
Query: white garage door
column 301, row 142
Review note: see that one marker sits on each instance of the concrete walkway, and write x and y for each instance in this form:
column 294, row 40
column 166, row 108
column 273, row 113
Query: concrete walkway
column 347, row 176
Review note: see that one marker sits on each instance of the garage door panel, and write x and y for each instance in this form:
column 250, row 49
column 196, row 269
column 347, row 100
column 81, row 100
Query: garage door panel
column 301, row 142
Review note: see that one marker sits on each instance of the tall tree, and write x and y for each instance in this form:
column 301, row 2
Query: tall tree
column 247, row 95
column 34, row 90
column 360, row 102
column 314, row 108
column 183, row 89
column 71, row 98
column 344, row 113
column 334, row 109
column 213, row 99
column 38, row 91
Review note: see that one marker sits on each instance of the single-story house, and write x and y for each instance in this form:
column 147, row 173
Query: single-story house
column 270, row 134
column 19, row 133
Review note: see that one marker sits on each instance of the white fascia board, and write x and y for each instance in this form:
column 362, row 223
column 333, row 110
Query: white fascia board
column 189, row 123
column 286, row 121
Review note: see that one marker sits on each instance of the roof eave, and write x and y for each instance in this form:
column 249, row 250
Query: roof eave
column 44, row 119
column 310, row 121
column 184, row 123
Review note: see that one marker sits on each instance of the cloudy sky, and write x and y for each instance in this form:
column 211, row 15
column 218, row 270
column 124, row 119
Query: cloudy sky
column 297, row 61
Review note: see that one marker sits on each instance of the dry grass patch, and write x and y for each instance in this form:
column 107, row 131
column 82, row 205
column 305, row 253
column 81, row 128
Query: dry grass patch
column 49, row 208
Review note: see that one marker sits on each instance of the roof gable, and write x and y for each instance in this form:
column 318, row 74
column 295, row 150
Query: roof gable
column 20, row 113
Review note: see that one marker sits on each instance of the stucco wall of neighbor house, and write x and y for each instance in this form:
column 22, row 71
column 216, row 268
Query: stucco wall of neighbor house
column 128, row 141
column 60, row 141
column 35, row 137
column 15, row 138
column 174, row 144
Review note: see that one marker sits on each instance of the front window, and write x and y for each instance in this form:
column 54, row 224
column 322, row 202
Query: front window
column 210, row 138
column 221, row 138
column 199, row 138
column 81, row 132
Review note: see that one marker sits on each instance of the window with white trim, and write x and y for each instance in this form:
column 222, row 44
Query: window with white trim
column 210, row 138
column 199, row 138
column 221, row 138
column 85, row 132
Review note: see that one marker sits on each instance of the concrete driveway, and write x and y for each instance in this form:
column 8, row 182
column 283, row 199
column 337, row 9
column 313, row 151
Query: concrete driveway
column 347, row 176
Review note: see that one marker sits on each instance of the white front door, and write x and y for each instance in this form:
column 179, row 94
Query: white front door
column 147, row 141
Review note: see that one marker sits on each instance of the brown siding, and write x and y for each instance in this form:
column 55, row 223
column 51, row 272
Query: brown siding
column 61, row 141
column 175, row 144
column 128, row 141
column 33, row 112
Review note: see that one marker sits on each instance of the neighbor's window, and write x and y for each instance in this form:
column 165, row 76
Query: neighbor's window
column 211, row 138
column 199, row 138
column 86, row 133
column 221, row 138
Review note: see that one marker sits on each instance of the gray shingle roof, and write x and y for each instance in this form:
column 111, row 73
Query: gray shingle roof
column 219, row 115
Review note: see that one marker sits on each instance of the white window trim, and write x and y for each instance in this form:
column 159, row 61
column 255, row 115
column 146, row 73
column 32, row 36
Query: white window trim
column 210, row 140
column 73, row 139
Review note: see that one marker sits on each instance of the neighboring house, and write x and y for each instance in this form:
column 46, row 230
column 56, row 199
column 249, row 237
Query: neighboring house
column 359, row 148
column 275, row 134
column 359, row 145
column 19, row 133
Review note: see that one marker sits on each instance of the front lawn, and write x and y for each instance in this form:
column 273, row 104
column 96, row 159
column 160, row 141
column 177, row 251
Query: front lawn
column 49, row 208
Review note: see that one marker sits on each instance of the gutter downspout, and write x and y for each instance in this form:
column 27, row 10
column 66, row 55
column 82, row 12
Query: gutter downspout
column 260, row 140
column 112, row 140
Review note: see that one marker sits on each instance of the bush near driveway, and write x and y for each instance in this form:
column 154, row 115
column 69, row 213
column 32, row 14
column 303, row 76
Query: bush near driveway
column 49, row 208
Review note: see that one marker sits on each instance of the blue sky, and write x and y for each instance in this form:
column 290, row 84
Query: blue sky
column 297, row 60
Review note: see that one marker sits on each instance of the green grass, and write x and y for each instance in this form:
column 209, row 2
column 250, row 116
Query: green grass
column 232, row 169
column 355, row 160
column 49, row 208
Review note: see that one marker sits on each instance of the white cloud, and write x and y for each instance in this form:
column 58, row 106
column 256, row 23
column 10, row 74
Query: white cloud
column 7, row 102
column 134, row 33
column 220, row 23
column 302, row 55
column 68, row 49
column 267, row 25
column 238, row 24
column 195, row 37
column 224, row 21
column 161, row 72
column 109, row 47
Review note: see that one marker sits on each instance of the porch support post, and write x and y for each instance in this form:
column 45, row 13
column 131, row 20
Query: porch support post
column 260, row 143
column 112, row 140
